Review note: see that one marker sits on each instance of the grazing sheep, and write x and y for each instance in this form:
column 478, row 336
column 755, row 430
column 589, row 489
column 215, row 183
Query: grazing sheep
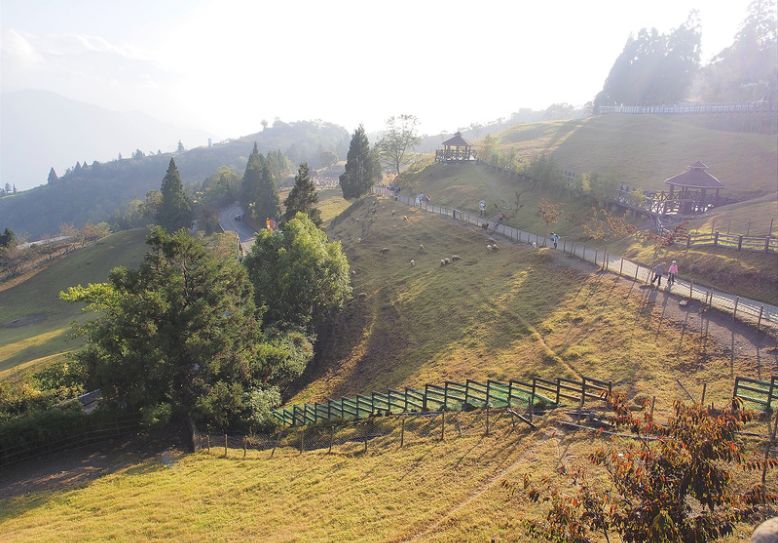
column 488, row 246
column 384, row 250
column 495, row 247
column 447, row 261
column 413, row 263
column 405, row 218
column 454, row 258
column 442, row 262
column 421, row 246
column 363, row 295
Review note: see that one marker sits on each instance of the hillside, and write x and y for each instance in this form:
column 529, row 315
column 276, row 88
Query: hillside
column 35, row 323
column 94, row 193
column 461, row 186
column 513, row 313
column 644, row 150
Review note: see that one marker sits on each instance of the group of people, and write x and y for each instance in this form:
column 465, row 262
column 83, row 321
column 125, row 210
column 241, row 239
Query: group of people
column 659, row 271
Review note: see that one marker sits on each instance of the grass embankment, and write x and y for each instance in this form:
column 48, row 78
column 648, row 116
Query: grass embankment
column 750, row 274
column 517, row 312
column 752, row 217
column 644, row 150
column 35, row 323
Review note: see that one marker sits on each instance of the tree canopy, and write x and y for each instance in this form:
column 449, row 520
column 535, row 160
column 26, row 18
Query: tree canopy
column 654, row 68
column 299, row 276
column 175, row 210
column 302, row 198
column 362, row 166
column 258, row 189
column 179, row 337
column 400, row 139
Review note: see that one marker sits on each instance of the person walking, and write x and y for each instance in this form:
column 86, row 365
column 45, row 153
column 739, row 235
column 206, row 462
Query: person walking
column 671, row 271
column 482, row 208
column 659, row 271
column 555, row 239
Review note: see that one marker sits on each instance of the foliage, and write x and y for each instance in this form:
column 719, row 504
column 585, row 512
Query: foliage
column 175, row 210
column 299, row 276
column 302, row 198
column 362, row 166
column 604, row 225
column 7, row 239
column 53, row 178
column 178, row 334
column 258, row 189
column 399, row 140
column 747, row 69
column 549, row 211
column 654, row 68
column 673, row 484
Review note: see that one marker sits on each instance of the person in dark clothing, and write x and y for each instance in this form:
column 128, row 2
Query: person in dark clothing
column 659, row 271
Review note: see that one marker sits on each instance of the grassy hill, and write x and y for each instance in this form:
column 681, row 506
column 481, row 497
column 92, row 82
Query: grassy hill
column 35, row 323
column 517, row 312
column 644, row 150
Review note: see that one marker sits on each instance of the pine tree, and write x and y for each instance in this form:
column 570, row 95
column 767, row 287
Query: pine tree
column 248, row 187
column 53, row 176
column 302, row 198
column 266, row 202
column 175, row 211
column 362, row 168
column 8, row 188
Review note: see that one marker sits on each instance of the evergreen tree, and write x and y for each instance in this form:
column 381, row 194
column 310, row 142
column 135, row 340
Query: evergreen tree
column 362, row 167
column 53, row 176
column 266, row 202
column 302, row 198
column 248, row 187
column 8, row 188
column 8, row 239
column 14, row 188
column 175, row 211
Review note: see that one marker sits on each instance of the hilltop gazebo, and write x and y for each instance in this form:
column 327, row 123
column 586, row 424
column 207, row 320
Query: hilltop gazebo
column 695, row 189
column 455, row 149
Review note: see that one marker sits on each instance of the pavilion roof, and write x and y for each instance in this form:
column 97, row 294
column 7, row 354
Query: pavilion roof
column 457, row 140
column 695, row 177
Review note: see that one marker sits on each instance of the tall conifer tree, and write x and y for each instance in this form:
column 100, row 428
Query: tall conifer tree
column 53, row 178
column 175, row 211
column 302, row 198
column 362, row 167
column 266, row 203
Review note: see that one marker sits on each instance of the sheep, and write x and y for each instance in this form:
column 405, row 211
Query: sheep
column 405, row 218
column 491, row 240
column 495, row 247
column 421, row 247
column 413, row 263
column 488, row 246
column 384, row 250
column 442, row 262
column 447, row 261
column 393, row 213
column 363, row 295
column 454, row 258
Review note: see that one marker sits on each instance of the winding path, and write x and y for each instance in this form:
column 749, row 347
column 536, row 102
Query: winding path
column 229, row 223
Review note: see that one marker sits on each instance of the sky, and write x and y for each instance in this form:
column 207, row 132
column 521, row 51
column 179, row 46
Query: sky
column 223, row 66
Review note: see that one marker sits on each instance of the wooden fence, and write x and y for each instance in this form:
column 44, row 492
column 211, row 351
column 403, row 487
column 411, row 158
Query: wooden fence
column 747, row 107
column 451, row 396
column 762, row 244
column 757, row 392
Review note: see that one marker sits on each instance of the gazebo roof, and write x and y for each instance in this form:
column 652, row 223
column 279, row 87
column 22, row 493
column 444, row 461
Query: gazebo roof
column 456, row 141
column 695, row 177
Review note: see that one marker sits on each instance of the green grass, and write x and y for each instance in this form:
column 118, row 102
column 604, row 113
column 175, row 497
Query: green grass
column 517, row 312
column 752, row 217
column 37, row 299
column 644, row 150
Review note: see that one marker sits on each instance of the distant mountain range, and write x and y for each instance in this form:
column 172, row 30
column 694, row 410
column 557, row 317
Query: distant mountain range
column 40, row 129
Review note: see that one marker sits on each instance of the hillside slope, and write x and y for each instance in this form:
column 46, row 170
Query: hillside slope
column 34, row 322
column 644, row 150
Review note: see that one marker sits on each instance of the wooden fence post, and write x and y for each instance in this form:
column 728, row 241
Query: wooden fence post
column 487, row 420
column 651, row 413
column 583, row 397
column 691, row 289
column 225, row 445
column 637, row 269
column 402, row 433
column 332, row 437
column 716, row 238
column 366, row 436
column 302, row 440
column 443, row 426
column 759, row 320
column 621, row 265
column 740, row 242
column 704, row 389
column 734, row 310
column 208, row 442
column 244, row 446
column 532, row 400
column 596, row 252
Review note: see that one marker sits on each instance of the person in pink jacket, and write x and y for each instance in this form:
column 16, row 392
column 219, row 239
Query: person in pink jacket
column 671, row 271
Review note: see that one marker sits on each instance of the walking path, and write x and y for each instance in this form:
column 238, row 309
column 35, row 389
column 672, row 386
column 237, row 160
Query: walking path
column 743, row 308
column 228, row 222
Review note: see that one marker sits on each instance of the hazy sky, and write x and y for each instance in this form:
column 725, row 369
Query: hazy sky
column 225, row 65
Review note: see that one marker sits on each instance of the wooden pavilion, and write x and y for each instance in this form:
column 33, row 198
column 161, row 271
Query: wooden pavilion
column 695, row 190
column 455, row 149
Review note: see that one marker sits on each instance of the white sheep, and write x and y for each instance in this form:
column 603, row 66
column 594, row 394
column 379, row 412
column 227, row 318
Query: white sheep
column 454, row 258
column 413, row 263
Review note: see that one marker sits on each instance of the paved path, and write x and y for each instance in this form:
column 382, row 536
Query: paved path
column 744, row 308
column 229, row 223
